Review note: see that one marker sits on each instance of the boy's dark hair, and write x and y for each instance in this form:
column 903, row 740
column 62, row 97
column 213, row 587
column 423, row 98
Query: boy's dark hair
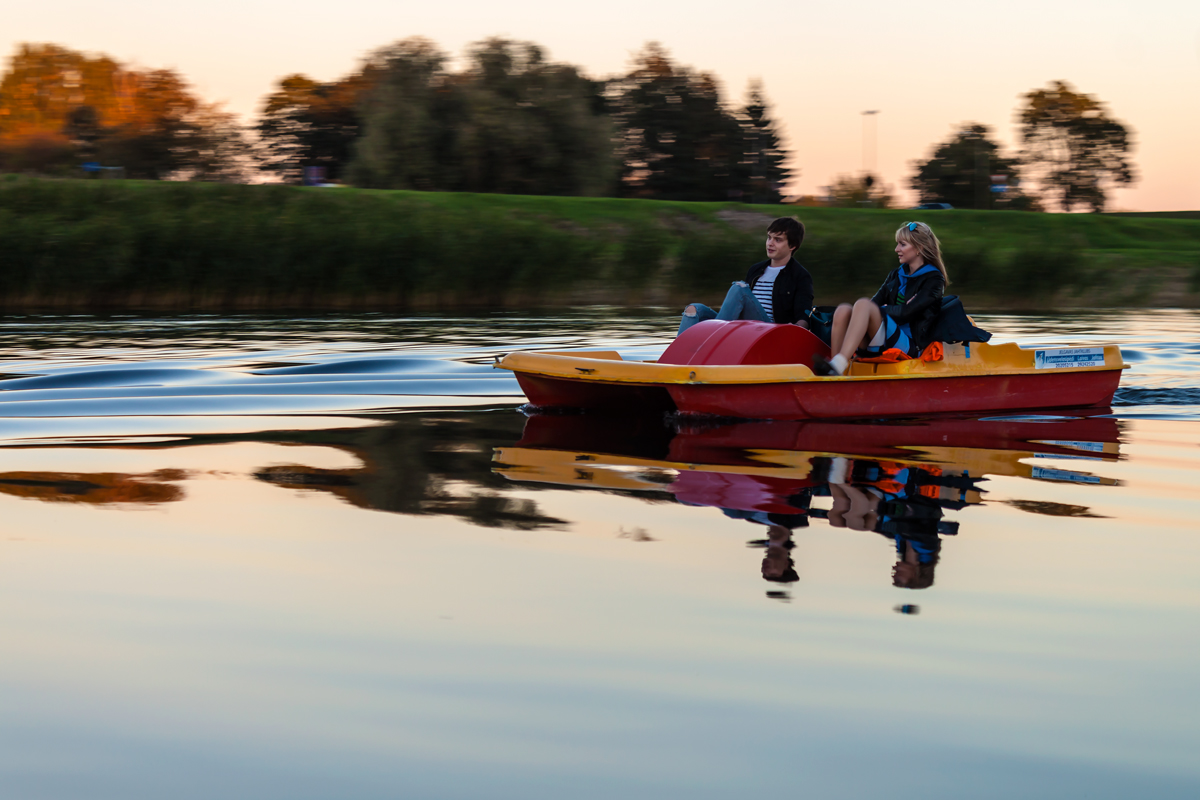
column 794, row 229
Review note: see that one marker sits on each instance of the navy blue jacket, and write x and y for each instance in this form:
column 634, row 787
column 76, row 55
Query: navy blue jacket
column 921, row 306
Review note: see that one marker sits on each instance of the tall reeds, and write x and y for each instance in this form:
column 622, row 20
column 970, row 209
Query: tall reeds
column 124, row 245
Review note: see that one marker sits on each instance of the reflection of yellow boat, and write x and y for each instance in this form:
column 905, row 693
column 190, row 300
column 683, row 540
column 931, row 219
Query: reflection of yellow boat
column 593, row 470
column 779, row 456
column 607, row 471
column 627, row 473
column 897, row 480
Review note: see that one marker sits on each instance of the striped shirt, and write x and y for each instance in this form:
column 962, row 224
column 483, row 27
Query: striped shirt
column 762, row 290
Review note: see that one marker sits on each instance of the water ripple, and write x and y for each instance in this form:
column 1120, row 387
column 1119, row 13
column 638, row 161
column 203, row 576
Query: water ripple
column 1133, row 396
column 94, row 368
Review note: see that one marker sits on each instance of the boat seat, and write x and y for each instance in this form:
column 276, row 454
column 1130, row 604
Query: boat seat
column 718, row 342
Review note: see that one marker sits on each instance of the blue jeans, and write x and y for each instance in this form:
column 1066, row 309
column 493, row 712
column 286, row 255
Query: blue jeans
column 740, row 303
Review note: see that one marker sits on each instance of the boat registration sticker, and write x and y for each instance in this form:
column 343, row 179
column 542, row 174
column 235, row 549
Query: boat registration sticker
column 1069, row 357
column 1091, row 447
column 1046, row 474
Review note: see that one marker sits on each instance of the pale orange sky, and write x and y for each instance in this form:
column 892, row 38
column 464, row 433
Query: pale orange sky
column 927, row 66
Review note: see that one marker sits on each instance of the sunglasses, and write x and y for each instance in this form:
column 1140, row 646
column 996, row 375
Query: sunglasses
column 912, row 226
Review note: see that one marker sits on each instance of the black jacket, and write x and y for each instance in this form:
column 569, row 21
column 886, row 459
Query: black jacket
column 792, row 295
column 922, row 303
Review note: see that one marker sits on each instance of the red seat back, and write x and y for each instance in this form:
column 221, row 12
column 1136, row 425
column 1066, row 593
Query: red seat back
column 744, row 342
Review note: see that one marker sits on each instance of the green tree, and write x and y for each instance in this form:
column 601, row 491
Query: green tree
column 512, row 122
column 1073, row 146
column 408, row 121
column 959, row 172
column 677, row 141
column 220, row 150
column 859, row 191
column 764, row 155
column 532, row 127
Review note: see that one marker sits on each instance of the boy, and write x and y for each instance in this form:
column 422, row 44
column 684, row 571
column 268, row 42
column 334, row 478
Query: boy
column 776, row 290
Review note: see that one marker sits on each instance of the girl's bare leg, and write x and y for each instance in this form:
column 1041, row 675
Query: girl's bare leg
column 865, row 319
column 862, row 514
column 841, row 504
column 837, row 329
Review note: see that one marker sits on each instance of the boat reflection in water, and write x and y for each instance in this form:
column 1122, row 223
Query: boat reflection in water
column 896, row 479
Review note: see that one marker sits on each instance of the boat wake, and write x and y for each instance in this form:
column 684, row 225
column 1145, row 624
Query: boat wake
column 269, row 386
column 97, row 401
column 1134, row 396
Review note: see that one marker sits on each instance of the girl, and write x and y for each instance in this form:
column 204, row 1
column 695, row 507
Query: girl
column 902, row 313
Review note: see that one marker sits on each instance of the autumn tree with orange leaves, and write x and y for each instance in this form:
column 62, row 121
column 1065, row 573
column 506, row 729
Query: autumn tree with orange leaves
column 60, row 107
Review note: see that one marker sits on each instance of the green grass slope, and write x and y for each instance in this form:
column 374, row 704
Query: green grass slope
column 125, row 245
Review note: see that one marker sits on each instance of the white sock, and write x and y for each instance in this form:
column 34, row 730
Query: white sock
column 839, row 364
column 837, row 470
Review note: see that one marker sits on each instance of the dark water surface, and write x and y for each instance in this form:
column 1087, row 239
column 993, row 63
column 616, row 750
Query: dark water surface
column 274, row 558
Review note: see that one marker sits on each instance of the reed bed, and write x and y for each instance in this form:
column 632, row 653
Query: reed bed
column 131, row 246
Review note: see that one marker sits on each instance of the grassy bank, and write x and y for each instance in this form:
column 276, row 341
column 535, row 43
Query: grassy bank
column 123, row 245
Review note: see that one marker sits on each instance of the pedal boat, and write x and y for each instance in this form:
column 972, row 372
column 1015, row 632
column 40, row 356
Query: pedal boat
column 754, row 370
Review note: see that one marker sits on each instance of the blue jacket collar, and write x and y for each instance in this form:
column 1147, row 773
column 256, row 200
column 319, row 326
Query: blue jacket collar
column 905, row 276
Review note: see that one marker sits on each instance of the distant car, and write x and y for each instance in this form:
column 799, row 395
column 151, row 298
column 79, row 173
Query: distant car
column 934, row 207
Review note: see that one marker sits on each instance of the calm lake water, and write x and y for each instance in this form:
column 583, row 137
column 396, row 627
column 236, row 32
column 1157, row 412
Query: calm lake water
column 328, row 558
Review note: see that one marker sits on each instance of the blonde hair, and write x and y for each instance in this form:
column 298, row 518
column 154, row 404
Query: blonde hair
column 923, row 238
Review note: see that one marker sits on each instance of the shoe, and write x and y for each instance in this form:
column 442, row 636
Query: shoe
column 822, row 367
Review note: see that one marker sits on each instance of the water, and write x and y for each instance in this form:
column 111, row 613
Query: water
column 265, row 557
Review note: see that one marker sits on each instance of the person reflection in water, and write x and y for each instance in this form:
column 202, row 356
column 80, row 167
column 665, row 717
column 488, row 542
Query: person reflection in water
column 896, row 501
column 777, row 564
column 916, row 559
column 776, row 290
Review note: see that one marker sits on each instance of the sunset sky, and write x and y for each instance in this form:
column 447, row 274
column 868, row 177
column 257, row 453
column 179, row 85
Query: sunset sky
column 927, row 66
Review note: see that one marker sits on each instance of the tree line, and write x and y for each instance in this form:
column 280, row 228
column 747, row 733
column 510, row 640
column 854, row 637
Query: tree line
column 512, row 121
column 1072, row 153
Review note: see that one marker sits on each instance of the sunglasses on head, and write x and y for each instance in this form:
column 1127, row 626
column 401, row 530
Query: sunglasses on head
column 912, row 226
